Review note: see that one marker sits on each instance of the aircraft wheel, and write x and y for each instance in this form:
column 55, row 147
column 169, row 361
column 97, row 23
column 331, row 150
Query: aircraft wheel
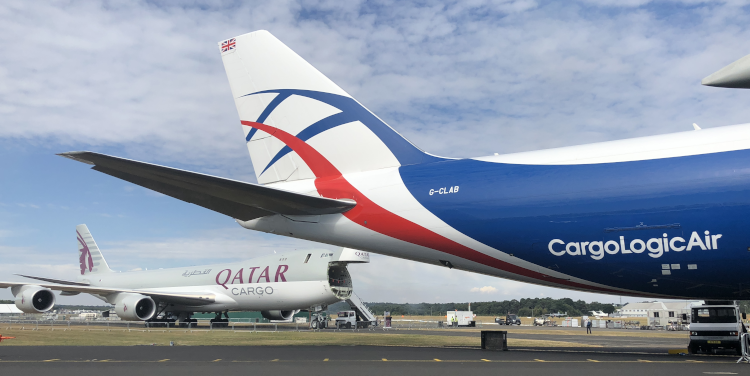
column 314, row 324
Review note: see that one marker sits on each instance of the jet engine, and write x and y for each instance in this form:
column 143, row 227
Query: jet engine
column 134, row 307
column 278, row 315
column 34, row 299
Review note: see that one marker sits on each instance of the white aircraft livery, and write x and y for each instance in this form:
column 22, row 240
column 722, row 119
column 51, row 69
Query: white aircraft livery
column 660, row 216
column 278, row 285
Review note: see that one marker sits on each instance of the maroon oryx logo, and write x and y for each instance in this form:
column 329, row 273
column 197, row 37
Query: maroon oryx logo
column 85, row 255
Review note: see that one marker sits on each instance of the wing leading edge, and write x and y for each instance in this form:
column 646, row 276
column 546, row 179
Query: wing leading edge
column 186, row 298
column 240, row 200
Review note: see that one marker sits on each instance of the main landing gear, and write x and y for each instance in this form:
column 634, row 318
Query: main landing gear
column 218, row 322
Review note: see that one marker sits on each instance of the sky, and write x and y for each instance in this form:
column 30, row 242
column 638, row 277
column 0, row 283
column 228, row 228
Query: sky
column 144, row 80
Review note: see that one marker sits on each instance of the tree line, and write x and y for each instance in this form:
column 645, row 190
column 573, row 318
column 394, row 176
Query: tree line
column 522, row 307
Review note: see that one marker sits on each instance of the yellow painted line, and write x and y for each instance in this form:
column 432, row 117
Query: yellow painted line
column 486, row 360
column 50, row 360
column 384, row 359
column 538, row 360
column 217, row 360
column 644, row 361
column 694, row 361
column 437, row 360
column 325, row 360
column 592, row 360
column 275, row 360
column 163, row 360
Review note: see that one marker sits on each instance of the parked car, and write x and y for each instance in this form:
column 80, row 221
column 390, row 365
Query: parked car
column 511, row 319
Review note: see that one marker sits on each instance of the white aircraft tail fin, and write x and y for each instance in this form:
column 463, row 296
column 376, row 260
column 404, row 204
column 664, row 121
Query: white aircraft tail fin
column 298, row 124
column 89, row 256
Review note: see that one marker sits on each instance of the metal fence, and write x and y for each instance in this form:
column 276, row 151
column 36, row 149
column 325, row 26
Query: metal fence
column 107, row 325
column 236, row 325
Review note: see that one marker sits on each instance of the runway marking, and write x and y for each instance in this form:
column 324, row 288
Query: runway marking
column 486, row 360
column 384, row 359
column 163, row 360
column 437, row 360
column 720, row 373
column 325, row 360
column 694, row 361
column 217, row 360
column 644, row 361
column 275, row 360
column 592, row 360
column 50, row 360
column 539, row 360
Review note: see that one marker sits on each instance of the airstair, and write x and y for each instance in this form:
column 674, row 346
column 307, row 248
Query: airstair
column 363, row 312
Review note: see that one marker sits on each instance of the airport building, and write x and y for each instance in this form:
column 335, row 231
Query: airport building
column 659, row 313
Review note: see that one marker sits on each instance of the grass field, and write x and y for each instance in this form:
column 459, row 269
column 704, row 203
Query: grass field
column 100, row 336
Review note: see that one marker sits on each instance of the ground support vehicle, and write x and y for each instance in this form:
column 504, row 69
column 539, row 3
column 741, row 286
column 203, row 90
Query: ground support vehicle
column 716, row 325
column 462, row 318
column 511, row 319
column 318, row 321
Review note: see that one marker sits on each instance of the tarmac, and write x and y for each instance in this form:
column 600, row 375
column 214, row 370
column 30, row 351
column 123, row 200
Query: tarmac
column 620, row 353
column 349, row 360
column 600, row 338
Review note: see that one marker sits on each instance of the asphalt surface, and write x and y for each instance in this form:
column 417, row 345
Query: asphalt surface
column 601, row 337
column 349, row 360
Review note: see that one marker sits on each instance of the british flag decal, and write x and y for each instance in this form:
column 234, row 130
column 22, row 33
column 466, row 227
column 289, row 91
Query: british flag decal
column 228, row 45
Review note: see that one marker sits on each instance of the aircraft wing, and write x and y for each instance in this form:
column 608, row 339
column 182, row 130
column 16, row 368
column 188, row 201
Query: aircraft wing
column 186, row 298
column 240, row 200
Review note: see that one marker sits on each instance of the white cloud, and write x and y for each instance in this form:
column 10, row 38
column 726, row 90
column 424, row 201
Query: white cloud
column 458, row 78
column 484, row 290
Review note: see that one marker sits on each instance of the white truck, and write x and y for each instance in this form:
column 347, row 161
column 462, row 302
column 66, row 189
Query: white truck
column 464, row 318
column 346, row 319
column 716, row 325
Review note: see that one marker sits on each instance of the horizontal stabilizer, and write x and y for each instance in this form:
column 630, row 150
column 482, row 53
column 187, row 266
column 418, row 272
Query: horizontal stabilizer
column 735, row 75
column 240, row 200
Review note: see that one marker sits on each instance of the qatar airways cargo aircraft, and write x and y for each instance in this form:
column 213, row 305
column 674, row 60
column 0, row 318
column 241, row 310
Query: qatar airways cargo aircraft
column 659, row 216
column 278, row 285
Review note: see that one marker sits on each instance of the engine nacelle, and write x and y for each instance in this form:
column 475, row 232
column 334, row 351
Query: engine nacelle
column 34, row 299
column 134, row 307
column 278, row 315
